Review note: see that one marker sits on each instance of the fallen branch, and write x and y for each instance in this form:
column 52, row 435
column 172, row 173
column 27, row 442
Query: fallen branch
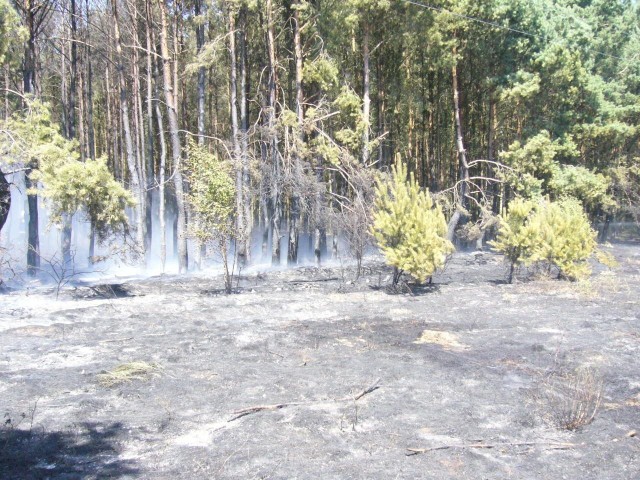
column 116, row 340
column 366, row 391
column 260, row 408
column 278, row 406
column 314, row 280
column 550, row 445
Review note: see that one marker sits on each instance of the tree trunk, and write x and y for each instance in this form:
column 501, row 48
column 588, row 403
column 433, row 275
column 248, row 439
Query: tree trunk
column 7, row 84
column 5, row 199
column 161, row 189
column 245, row 248
column 67, row 230
column 176, row 148
column 163, row 159
column 273, row 139
column 237, row 150
column 366, row 98
column 33, row 242
column 461, row 202
column 74, row 73
column 29, row 87
column 199, row 11
column 149, row 166
column 134, row 174
column 91, row 151
column 294, row 213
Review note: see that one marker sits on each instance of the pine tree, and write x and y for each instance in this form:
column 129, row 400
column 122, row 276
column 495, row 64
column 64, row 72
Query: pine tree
column 556, row 234
column 568, row 240
column 410, row 231
column 517, row 239
column 212, row 200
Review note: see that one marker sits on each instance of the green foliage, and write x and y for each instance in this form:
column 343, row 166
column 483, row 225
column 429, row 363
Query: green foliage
column 625, row 179
column 32, row 139
column 353, row 125
column 89, row 186
column 567, row 237
column 522, row 86
column 212, row 193
column 410, row 231
column 11, row 32
column 534, row 172
column 517, row 239
column 554, row 233
column 581, row 183
column 531, row 166
column 321, row 71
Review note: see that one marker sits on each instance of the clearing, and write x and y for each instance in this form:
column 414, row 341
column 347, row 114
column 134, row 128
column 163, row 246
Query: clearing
column 307, row 374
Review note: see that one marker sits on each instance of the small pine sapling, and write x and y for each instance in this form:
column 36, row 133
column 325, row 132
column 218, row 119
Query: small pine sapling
column 212, row 201
column 555, row 233
column 568, row 240
column 517, row 239
column 409, row 229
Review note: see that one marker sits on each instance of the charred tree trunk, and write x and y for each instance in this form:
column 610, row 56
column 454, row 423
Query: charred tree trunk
column 237, row 149
column 66, row 232
column 460, row 204
column 134, row 174
column 294, row 215
column 176, row 148
column 199, row 11
column 150, row 163
column 366, row 98
column 29, row 87
column 161, row 189
column 91, row 141
column 5, row 199
column 162, row 227
column 275, row 206
column 245, row 247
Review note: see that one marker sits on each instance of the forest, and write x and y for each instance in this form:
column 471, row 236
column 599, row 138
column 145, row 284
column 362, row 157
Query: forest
column 331, row 239
column 259, row 129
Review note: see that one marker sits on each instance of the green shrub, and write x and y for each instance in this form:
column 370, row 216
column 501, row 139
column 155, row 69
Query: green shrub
column 212, row 201
column 567, row 238
column 555, row 233
column 409, row 230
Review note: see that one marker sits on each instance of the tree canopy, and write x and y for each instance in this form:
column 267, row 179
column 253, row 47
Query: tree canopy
column 486, row 101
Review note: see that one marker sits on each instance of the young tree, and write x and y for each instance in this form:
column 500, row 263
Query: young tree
column 409, row 229
column 212, row 201
column 517, row 239
column 555, row 234
column 69, row 184
column 9, row 27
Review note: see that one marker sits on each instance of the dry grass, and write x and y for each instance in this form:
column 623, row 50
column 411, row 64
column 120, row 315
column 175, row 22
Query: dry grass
column 446, row 340
column 127, row 372
column 570, row 400
column 598, row 287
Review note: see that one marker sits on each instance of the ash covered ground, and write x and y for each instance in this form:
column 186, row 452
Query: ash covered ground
column 306, row 373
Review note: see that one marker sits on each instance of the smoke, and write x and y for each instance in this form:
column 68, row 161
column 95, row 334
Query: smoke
column 115, row 259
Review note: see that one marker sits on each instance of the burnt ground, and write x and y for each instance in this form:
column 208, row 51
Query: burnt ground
column 351, row 375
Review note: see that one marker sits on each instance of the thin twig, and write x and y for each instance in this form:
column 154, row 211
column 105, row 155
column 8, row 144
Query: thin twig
column 479, row 445
column 278, row 406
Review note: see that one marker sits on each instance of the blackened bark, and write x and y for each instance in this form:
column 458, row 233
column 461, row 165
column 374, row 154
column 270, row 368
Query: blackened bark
column 176, row 147
column 5, row 199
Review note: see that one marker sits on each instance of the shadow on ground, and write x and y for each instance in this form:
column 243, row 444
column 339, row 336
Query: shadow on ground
column 90, row 450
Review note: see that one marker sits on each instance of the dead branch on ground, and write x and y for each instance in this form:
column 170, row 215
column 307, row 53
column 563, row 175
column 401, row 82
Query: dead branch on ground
column 277, row 406
column 479, row 445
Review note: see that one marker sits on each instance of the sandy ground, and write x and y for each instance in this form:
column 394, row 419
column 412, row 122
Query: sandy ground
column 306, row 373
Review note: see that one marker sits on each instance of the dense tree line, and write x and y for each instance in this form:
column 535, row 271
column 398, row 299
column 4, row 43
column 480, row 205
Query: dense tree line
column 303, row 102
